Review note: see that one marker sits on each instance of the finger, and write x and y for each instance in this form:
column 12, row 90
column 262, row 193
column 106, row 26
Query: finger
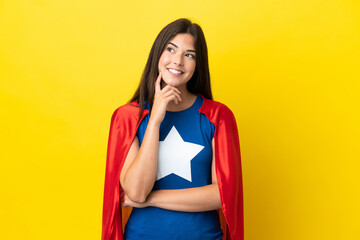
column 172, row 92
column 177, row 95
column 173, row 97
column 168, row 87
column 157, row 83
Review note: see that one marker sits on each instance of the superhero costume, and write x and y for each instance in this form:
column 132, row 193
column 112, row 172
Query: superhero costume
column 184, row 161
column 124, row 125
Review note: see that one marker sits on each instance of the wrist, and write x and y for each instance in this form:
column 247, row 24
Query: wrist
column 151, row 201
column 153, row 123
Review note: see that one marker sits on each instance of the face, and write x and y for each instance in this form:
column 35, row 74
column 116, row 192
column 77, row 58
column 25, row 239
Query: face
column 177, row 62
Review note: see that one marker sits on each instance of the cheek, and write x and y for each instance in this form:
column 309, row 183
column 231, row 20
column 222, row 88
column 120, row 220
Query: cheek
column 192, row 67
column 163, row 60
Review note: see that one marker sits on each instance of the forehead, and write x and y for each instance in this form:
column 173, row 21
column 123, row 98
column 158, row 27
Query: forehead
column 184, row 40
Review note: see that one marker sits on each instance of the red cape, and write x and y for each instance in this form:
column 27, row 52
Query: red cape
column 124, row 125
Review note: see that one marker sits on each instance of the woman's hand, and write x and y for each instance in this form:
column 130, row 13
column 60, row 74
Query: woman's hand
column 161, row 100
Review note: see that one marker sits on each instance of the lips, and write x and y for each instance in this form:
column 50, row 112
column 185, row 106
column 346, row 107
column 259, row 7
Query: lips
column 175, row 71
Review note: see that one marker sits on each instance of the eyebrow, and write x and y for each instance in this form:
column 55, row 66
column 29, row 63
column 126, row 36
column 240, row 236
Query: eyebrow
column 189, row 50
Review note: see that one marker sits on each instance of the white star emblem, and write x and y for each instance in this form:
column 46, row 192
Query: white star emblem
column 175, row 156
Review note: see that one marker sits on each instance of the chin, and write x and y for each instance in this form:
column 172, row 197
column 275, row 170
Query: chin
column 174, row 83
column 171, row 82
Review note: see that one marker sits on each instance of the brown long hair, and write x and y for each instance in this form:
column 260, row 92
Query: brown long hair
column 199, row 82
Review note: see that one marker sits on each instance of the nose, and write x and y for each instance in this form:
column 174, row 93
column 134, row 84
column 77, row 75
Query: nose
column 178, row 59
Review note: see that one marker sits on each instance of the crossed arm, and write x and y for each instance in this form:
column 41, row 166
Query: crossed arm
column 197, row 199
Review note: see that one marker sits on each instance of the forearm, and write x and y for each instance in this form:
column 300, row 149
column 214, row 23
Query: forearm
column 140, row 176
column 187, row 200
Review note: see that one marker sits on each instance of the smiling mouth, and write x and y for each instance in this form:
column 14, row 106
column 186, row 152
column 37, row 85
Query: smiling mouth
column 175, row 71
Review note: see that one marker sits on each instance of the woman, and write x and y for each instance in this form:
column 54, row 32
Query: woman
column 173, row 153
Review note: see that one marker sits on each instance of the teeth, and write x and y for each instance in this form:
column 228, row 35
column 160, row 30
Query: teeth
column 174, row 71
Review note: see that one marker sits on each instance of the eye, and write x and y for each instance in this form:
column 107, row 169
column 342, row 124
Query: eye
column 170, row 49
column 190, row 55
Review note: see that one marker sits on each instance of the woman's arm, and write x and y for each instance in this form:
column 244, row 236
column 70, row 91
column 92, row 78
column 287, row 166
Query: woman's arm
column 197, row 199
column 138, row 174
column 187, row 200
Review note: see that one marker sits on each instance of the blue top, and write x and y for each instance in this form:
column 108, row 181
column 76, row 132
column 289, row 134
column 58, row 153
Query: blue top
column 185, row 157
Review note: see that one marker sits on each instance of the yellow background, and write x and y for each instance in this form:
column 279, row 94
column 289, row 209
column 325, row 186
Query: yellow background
column 289, row 70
